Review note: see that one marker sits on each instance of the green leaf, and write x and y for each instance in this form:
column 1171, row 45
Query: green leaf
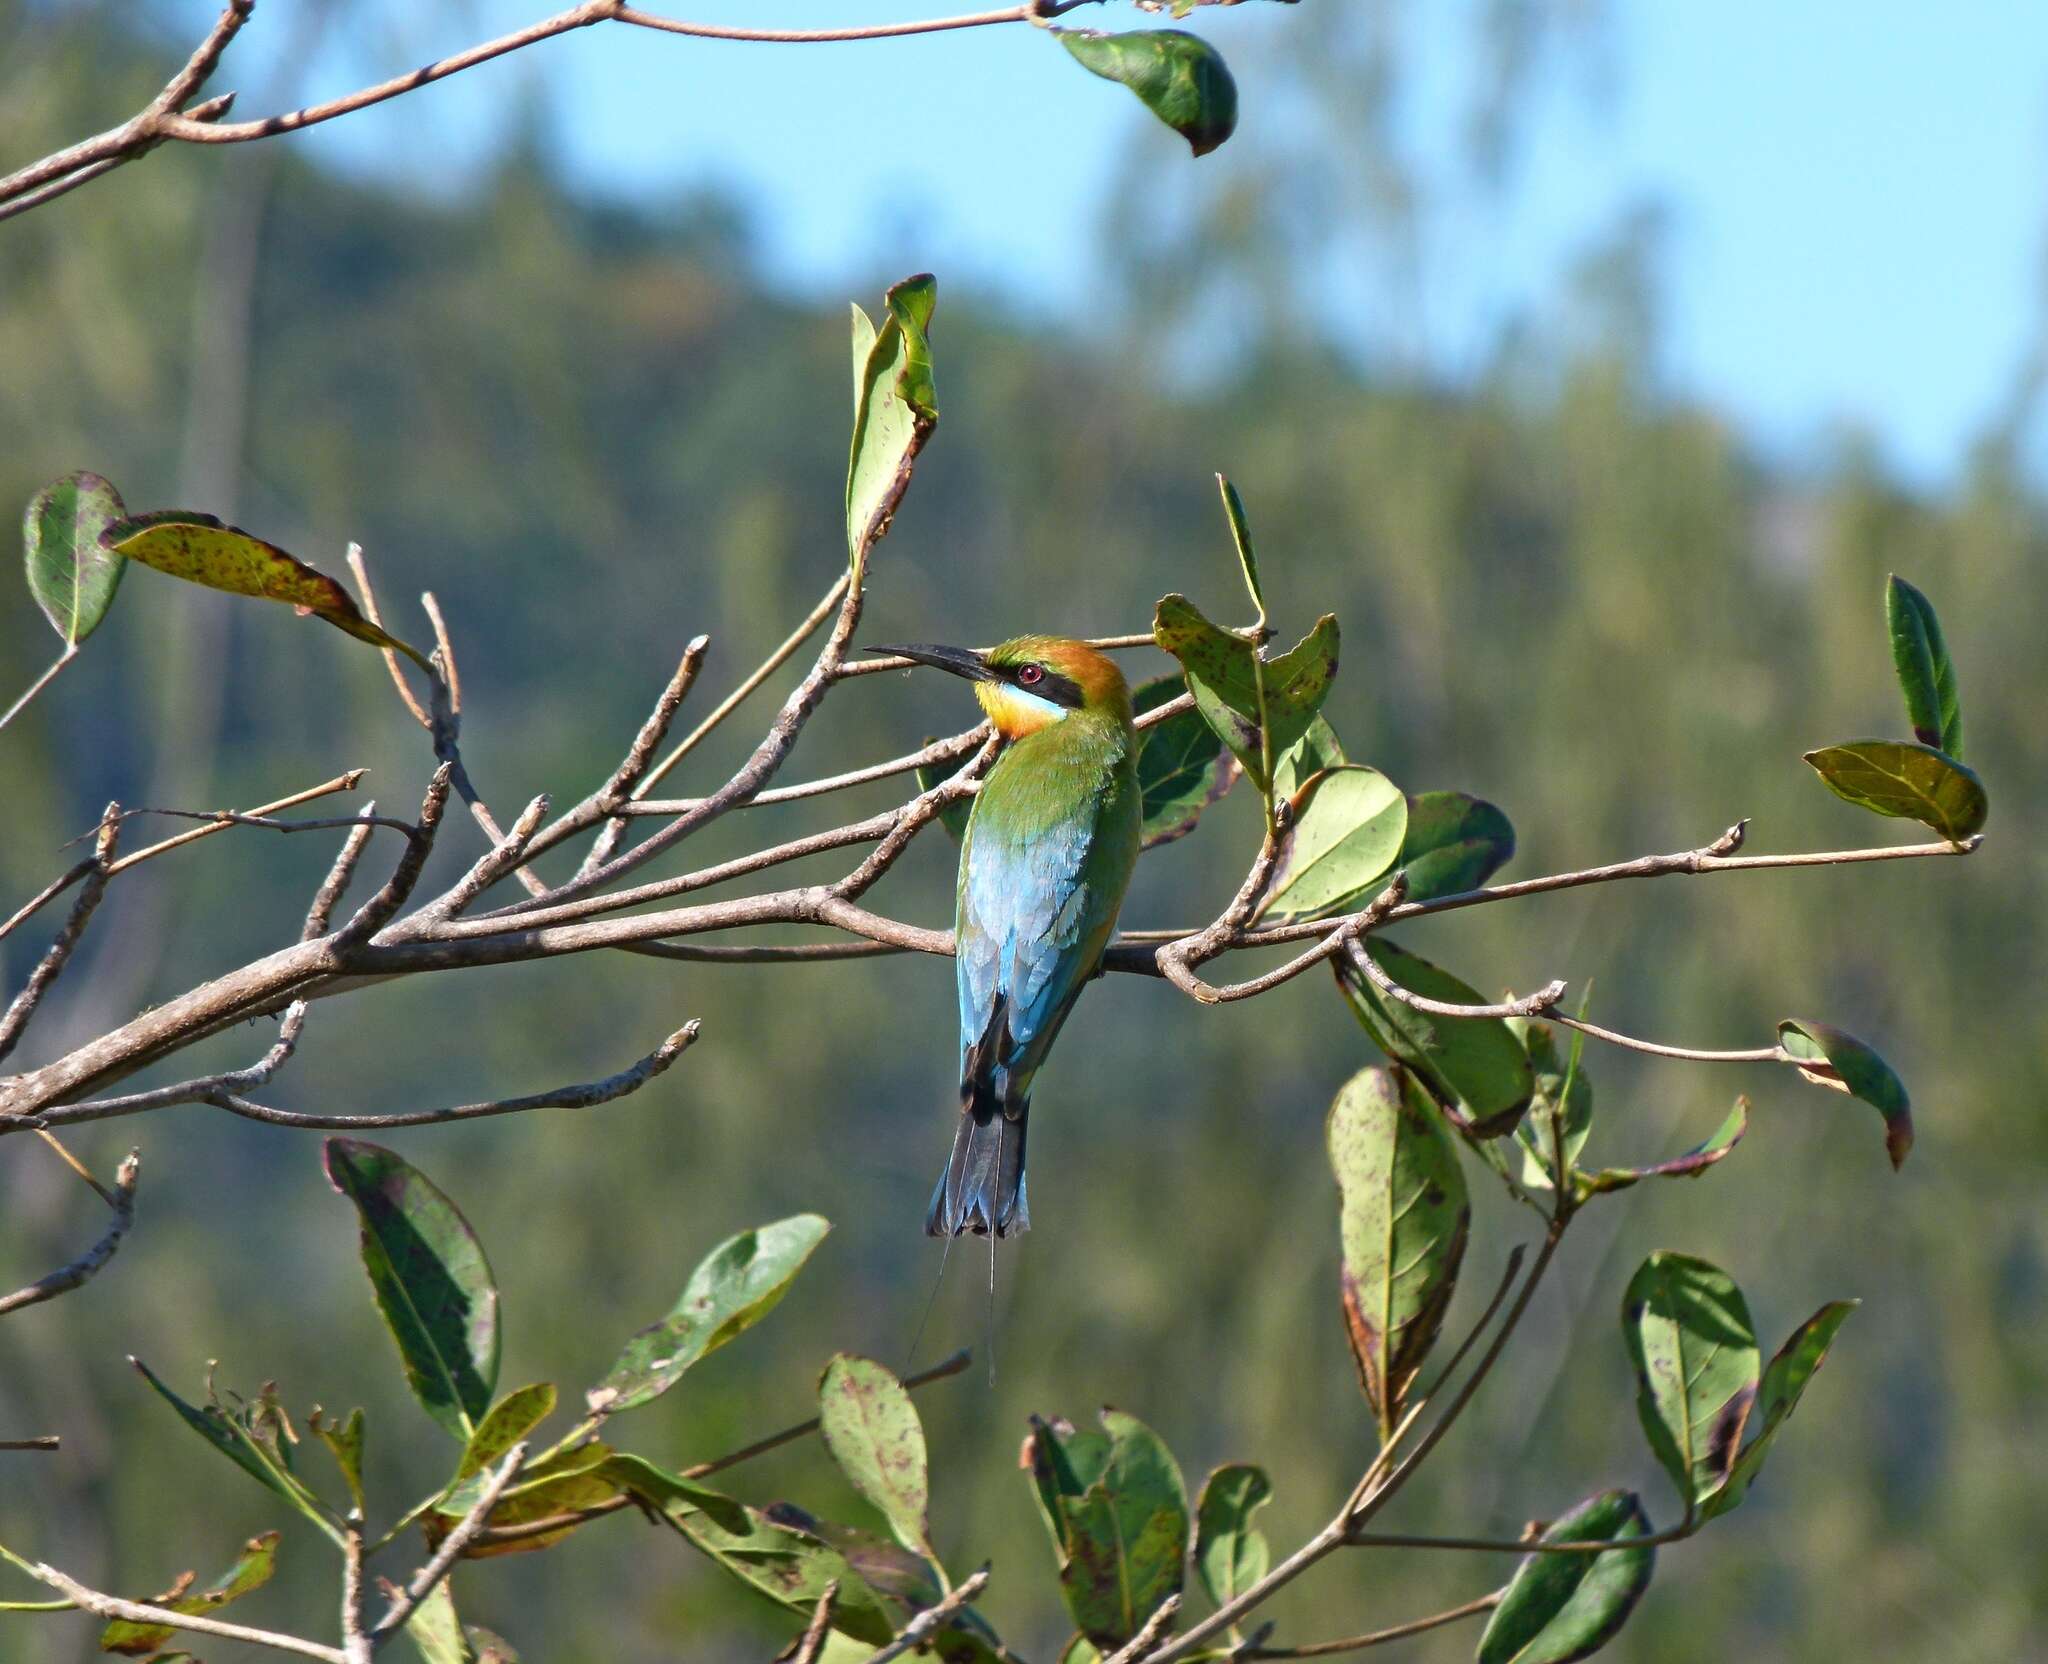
column 1241, row 537
column 1316, row 750
column 561, row 1482
column 740, row 1282
column 1118, row 1515
column 432, row 1282
column 1695, row 1355
column 1559, row 1607
column 661, row 1489
column 1927, row 676
column 1785, row 1379
column 256, row 1438
column 1907, row 782
column 897, row 1574
column 873, row 1432
column 1182, row 766
column 1081, row 1650
column 435, row 1631
column 1475, row 1067
column 1225, row 676
column 71, row 576
column 1230, row 1552
column 1403, row 1222
column 789, row 1567
column 1828, row 1057
column 895, row 408
column 1179, row 77
column 203, row 550
column 954, row 816
column 1347, row 830
column 1454, row 842
column 1687, row 1166
column 510, row 1420
column 344, row 1441
column 251, row 1570
column 1563, row 1090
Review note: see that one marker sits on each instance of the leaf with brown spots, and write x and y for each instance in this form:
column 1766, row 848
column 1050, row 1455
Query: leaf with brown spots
column 203, row 550
column 1694, row 1349
column 874, row 1434
column 1237, row 690
column 1404, row 1218
column 1785, row 1378
column 251, row 1570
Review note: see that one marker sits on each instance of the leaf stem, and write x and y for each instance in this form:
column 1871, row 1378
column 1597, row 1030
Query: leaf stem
column 70, row 652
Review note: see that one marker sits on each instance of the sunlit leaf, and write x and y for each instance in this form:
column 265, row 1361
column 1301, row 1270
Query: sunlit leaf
column 344, row 1441
column 873, row 1432
column 1560, row 1607
column 1404, row 1220
column 1475, row 1067
column 1182, row 766
column 1687, row 1166
column 1118, row 1515
column 561, row 1482
column 1927, row 676
column 203, row 550
column 1225, row 679
column 1241, row 538
column 1454, row 842
column 71, row 576
column 1906, row 781
column 1562, row 1107
column 1230, row 1552
column 509, row 1421
column 1347, row 831
column 251, row 1570
column 898, row 1575
column 739, row 1283
column 789, row 1567
column 1695, row 1355
column 432, row 1282
column 895, row 408
column 1179, row 77
column 1785, row 1378
column 256, row 1439
column 1316, row 750
column 1828, row 1057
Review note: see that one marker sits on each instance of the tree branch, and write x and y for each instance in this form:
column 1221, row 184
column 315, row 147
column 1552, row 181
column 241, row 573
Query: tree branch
column 141, row 1612
column 429, row 1576
column 67, row 1278
column 932, row 1619
column 51, row 965
column 1380, row 1637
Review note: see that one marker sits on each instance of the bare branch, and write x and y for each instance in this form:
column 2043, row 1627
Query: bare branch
column 45, row 1441
column 932, row 1619
column 335, row 885
column 375, row 913
column 812, row 1641
column 1755, row 1054
column 67, row 1278
column 429, row 1576
column 1380, row 1637
column 1529, row 1005
column 939, row 751
column 368, row 591
column 48, row 893
column 512, row 849
column 1143, row 1642
column 224, row 1092
column 355, row 1640
column 141, row 1612
column 221, row 819
column 1524, row 1545
column 51, row 965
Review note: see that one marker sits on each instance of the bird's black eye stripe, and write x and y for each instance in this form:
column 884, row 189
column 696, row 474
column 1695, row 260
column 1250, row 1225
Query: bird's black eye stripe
column 1048, row 684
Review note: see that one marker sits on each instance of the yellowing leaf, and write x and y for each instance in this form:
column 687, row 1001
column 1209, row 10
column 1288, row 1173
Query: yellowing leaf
column 202, row 550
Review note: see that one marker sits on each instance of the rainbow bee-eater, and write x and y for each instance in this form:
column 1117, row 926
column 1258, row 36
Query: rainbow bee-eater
column 1044, row 864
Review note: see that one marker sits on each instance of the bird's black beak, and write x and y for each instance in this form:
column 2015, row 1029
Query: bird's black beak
column 962, row 661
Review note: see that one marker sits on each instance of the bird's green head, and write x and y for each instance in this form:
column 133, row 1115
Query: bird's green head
column 1030, row 682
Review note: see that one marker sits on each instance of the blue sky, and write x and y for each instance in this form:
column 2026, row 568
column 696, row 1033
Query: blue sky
column 1854, row 194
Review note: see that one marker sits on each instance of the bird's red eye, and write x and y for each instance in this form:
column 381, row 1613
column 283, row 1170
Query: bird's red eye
column 1030, row 675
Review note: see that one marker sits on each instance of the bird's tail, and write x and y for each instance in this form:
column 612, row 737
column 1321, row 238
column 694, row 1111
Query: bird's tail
column 982, row 1188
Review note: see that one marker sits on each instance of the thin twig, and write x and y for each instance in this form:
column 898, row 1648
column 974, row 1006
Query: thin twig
column 375, row 913
column 224, row 1092
column 930, row 1620
column 67, row 1278
column 1529, row 1005
column 1155, row 1626
column 141, row 1612
column 547, row 1527
column 1521, row 1545
column 939, row 751
column 355, row 1640
column 510, row 851
column 70, row 652
column 1380, row 1637
column 320, row 912
column 51, row 965
column 49, row 892
column 812, row 1641
column 221, row 819
column 44, row 1441
column 429, row 1576
column 1754, row 1054
column 368, row 591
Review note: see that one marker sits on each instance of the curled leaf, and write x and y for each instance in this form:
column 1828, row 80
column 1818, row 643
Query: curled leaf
column 203, row 550
column 1828, row 1057
column 251, row 1570
column 1786, row 1378
column 1179, row 77
column 895, row 408
column 1687, row 1166
column 1927, row 676
column 1907, row 782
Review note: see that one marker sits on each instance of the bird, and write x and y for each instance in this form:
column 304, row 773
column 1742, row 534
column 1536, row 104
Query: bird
column 1045, row 860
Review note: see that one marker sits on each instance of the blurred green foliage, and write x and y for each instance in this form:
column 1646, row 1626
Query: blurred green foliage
column 592, row 433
